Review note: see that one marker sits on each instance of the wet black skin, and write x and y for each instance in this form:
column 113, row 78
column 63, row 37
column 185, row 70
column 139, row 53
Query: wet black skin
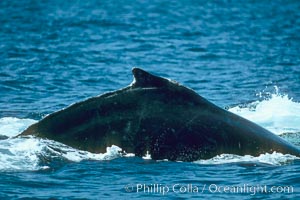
column 160, row 116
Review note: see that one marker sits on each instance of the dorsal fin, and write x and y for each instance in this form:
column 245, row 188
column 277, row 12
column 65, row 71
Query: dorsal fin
column 144, row 79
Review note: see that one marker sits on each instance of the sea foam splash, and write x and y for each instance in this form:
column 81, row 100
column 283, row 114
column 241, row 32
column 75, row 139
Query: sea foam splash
column 12, row 126
column 278, row 113
column 27, row 153
column 267, row 158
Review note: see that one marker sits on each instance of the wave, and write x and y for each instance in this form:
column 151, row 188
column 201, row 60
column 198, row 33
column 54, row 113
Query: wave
column 277, row 113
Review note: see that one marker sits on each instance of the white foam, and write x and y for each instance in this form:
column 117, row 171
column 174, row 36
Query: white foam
column 25, row 153
column 128, row 155
column 11, row 126
column 75, row 155
column 278, row 113
column 267, row 158
column 147, row 156
column 20, row 154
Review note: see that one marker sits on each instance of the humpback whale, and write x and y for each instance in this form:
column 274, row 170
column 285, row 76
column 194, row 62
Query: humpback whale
column 159, row 116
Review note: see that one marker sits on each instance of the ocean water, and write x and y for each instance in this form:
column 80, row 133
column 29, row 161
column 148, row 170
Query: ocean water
column 241, row 55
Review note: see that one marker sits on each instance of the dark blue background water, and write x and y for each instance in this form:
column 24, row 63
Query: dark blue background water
column 53, row 53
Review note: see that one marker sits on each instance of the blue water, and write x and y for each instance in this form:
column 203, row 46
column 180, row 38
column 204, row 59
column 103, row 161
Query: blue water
column 54, row 53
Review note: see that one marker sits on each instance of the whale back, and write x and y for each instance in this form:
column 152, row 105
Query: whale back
column 160, row 116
